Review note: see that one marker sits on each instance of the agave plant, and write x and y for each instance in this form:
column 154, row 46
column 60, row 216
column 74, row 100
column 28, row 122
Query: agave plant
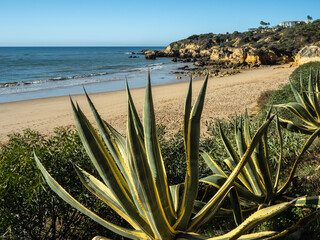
column 256, row 185
column 134, row 182
column 306, row 109
column 255, row 182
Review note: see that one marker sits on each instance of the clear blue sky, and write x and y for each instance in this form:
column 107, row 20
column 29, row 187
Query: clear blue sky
column 136, row 22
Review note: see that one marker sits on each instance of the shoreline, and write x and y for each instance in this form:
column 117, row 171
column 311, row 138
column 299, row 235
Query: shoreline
column 225, row 96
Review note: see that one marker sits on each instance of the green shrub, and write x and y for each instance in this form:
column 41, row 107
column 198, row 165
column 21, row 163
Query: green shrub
column 28, row 209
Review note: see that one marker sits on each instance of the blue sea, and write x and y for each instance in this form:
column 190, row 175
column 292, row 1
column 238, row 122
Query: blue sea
column 38, row 72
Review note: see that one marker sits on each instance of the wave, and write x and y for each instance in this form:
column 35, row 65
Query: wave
column 151, row 67
column 29, row 87
column 55, row 79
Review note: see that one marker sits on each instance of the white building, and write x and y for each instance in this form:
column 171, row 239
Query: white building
column 291, row 23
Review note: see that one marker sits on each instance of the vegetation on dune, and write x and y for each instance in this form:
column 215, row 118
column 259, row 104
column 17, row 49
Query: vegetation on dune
column 29, row 210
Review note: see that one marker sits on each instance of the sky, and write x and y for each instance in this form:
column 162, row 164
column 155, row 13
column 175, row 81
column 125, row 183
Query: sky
column 136, row 22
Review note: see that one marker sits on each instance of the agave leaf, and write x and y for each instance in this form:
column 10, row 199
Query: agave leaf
column 111, row 143
column 215, row 168
column 254, row 220
column 132, row 234
column 97, row 152
column 100, row 238
column 296, row 127
column 107, row 168
column 210, row 211
column 234, row 159
column 190, row 236
column 201, row 217
column 293, row 169
column 236, row 207
column 146, row 185
column 317, row 80
column 248, row 169
column 300, row 111
column 277, row 177
column 104, row 193
column 120, row 141
column 254, row 155
column 313, row 202
column 246, row 129
column 174, row 189
column 218, row 180
column 222, row 212
column 192, row 155
column 258, row 236
column 154, row 155
column 312, row 97
column 138, row 198
column 227, row 212
column 264, row 168
column 137, row 122
column 242, row 179
column 242, row 147
column 296, row 94
column 198, row 205
column 187, row 111
column 252, row 236
column 308, row 103
column 317, row 86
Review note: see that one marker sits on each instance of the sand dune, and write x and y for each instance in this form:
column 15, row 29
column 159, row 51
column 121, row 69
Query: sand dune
column 225, row 96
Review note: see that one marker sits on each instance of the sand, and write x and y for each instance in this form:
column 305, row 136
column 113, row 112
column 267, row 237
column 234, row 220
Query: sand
column 225, row 96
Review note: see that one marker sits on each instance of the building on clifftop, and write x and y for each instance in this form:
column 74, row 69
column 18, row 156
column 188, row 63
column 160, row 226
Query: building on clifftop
column 292, row 23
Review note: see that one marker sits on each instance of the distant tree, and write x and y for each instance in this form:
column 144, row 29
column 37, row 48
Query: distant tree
column 264, row 23
column 309, row 18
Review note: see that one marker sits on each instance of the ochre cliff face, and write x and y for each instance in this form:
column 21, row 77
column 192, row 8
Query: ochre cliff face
column 232, row 55
column 252, row 59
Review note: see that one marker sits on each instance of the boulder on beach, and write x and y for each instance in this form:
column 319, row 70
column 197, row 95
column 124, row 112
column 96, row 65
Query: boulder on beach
column 308, row 54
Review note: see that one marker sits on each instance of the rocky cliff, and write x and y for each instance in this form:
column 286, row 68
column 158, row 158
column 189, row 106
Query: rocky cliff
column 253, row 48
column 221, row 55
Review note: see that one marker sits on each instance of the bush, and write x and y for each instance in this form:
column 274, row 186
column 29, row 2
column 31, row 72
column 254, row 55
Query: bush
column 28, row 208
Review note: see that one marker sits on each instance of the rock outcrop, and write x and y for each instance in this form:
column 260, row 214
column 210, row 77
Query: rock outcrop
column 232, row 56
column 308, row 54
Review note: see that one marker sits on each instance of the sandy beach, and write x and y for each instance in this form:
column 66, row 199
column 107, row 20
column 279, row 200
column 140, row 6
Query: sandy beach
column 225, row 96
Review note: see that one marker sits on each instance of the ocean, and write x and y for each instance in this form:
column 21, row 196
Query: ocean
column 38, row 72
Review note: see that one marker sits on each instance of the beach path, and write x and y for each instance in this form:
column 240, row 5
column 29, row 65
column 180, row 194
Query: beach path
column 226, row 96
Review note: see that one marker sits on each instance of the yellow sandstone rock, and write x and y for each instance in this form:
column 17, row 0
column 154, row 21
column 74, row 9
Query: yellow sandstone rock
column 308, row 54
